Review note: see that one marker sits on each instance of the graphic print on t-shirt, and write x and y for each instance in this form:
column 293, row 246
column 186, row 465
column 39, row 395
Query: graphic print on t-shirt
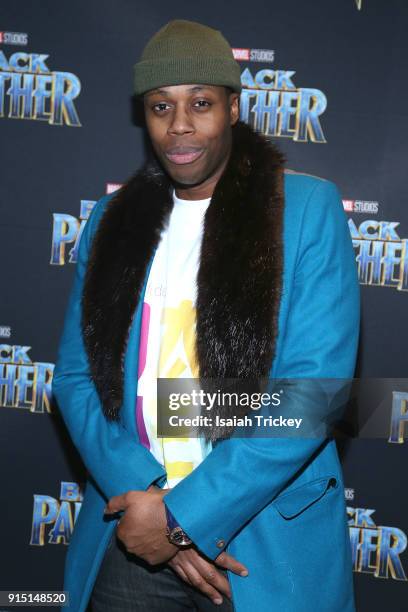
column 179, row 324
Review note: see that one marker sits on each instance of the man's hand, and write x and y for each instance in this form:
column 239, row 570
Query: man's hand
column 194, row 569
column 142, row 528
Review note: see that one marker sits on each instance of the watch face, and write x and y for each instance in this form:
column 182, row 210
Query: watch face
column 178, row 537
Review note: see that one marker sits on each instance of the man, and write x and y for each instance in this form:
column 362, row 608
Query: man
column 266, row 260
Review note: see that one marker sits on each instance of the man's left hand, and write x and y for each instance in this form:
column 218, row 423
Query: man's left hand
column 142, row 528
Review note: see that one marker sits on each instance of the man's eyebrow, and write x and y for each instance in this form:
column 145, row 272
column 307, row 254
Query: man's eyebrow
column 166, row 92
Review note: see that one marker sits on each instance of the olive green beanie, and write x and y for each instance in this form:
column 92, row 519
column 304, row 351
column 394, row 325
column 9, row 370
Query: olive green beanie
column 184, row 52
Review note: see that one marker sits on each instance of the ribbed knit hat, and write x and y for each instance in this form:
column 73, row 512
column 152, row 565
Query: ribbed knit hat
column 184, row 52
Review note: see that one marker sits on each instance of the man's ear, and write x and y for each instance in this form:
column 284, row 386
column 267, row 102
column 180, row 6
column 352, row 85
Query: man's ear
column 234, row 99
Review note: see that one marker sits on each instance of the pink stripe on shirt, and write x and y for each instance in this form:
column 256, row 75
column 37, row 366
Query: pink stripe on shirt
column 144, row 333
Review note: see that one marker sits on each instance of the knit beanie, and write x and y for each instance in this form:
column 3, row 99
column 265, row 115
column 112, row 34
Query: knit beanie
column 184, row 52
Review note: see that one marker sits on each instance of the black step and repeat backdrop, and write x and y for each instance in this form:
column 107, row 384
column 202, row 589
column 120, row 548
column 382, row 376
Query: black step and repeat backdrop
column 327, row 80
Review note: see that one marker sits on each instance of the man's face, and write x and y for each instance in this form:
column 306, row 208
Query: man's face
column 190, row 130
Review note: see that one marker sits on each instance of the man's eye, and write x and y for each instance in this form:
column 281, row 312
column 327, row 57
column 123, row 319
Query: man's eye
column 203, row 103
column 160, row 106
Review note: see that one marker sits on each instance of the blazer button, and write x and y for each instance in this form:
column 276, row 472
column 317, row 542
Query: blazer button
column 220, row 543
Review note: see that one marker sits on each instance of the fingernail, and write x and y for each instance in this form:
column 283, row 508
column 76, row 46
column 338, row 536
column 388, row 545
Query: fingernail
column 218, row 601
column 244, row 573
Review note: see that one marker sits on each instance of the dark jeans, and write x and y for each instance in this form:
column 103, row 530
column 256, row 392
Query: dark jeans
column 126, row 583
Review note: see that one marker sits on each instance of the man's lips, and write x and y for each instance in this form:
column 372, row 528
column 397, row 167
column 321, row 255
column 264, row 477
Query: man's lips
column 183, row 155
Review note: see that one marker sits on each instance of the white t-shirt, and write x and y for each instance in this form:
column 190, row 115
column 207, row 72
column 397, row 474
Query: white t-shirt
column 168, row 333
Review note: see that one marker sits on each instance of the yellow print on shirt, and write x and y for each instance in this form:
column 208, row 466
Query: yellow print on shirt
column 177, row 357
column 179, row 329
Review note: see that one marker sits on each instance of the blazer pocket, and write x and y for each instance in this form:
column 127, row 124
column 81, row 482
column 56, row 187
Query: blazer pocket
column 294, row 502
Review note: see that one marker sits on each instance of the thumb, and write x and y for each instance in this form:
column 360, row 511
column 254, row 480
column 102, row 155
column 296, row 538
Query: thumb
column 115, row 504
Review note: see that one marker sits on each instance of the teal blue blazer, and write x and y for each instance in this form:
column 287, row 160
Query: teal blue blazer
column 275, row 504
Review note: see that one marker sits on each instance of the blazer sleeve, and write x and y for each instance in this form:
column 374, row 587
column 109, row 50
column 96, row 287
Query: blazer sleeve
column 242, row 475
column 115, row 458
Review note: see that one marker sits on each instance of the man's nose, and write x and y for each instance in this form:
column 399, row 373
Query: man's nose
column 181, row 122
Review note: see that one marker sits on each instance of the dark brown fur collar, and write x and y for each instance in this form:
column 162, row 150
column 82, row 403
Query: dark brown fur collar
column 239, row 281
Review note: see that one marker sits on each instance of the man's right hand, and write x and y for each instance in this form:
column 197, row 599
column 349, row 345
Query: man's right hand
column 203, row 574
